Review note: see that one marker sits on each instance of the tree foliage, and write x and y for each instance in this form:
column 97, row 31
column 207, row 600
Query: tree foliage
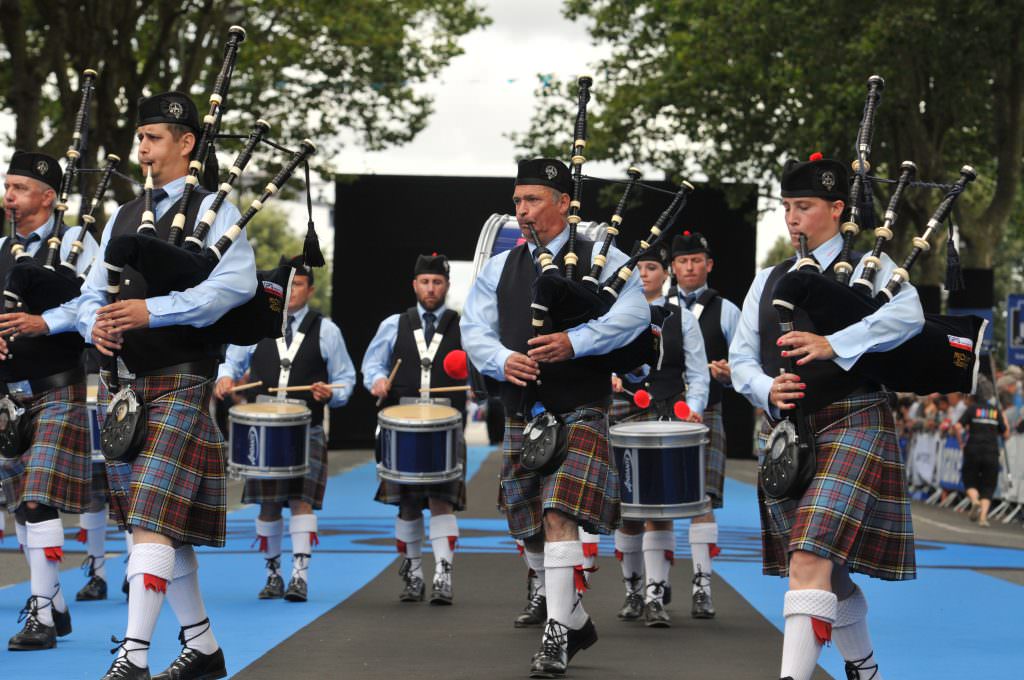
column 732, row 89
column 338, row 71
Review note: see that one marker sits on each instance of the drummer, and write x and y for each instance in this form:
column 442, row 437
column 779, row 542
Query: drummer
column 312, row 352
column 649, row 548
column 422, row 366
column 718, row 317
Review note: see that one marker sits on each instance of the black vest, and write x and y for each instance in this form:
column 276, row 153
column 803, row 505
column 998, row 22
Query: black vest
column 407, row 379
column 826, row 382
column 565, row 385
column 44, row 355
column 308, row 366
column 670, row 379
column 715, row 345
column 147, row 349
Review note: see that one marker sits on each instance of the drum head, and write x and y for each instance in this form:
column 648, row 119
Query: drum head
column 418, row 414
column 658, row 434
column 270, row 412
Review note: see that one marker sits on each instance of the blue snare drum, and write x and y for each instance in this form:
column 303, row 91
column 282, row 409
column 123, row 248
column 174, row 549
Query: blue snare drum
column 419, row 444
column 661, row 469
column 269, row 439
column 91, row 401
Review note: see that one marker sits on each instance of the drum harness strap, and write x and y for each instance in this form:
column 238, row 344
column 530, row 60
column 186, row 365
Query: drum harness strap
column 287, row 354
column 427, row 353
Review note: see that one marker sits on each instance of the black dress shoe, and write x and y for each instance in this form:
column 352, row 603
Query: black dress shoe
column 274, row 589
column 666, row 597
column 94, row 589
column 655, row 615
column 534, row 613
column 34, row 634
column 297, row 590
column 415, row 589
column 553, row 657
column 194, row 665
column 62, row 622
column 123, row 669
column 581, row 638
column 702, row 605
column 860, row 669
column 632, row 608
column 441, row 593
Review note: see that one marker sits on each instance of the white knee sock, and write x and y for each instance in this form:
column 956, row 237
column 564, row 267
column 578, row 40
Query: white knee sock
column 850, row 634
column 150, row 569
column 95, row 526
column 22, row 533
column 560, row 561
column 44, row 548
column 270, row 535
column 409, row 538
column 536, row 562
column 591, row 543
column 444, row 532
column 187, row 602
column 629, row 549
column 303, row 531
column 702, row 535
column 809, row 617
column 659, row 547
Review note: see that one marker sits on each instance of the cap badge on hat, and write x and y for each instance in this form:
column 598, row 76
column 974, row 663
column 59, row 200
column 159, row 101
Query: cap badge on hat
column 42, row 167
column 551, row 171
column 703, row 243
column 827, row 178
column 175, row 109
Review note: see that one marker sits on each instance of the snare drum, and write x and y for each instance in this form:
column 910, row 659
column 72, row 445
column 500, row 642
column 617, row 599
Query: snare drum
column 269, row 440
column 92, row 403
column 661, row 469
column 419, row 444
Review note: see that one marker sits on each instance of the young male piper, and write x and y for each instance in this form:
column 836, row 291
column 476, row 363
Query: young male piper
column 172, row 493
column 312, row 352
column 45, row 377
column 544, row 512
column 422, row 338
column 854, row 516
column 692, row 263
column 646, row 550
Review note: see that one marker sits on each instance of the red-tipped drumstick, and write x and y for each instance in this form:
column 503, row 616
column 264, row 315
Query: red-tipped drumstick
column 681, row 409
column 455, row 365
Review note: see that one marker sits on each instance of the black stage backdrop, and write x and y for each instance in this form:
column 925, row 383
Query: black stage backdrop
column 382, row 222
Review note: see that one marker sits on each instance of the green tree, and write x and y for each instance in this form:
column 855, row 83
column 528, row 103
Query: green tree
column 731, row 89
column 780, row 250
column 340, row 71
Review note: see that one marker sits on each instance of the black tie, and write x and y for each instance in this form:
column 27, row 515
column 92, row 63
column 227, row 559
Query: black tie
column 25, row 240
column 428, row 326
column 690, row 298
column 288, row 331
column 158, row 195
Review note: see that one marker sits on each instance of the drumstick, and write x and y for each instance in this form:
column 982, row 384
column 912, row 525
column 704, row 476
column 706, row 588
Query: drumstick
column 246, row 386
column 303, row 388
column 457, row 388
column 394, row 370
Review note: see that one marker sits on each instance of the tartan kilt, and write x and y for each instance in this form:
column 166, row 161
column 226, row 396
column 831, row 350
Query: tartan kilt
column 99, row 488
column 175, row 486
column 309, row 488
column 856, row 511
column 454, row 492
column 56, row 470
column 585, row 488
column 623, row 410
column 714, row 455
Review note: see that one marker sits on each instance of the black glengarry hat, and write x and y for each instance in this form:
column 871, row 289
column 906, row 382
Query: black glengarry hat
column 431, row 264
column 817, row 177
column 38, row 166
column 173, row 108
column 657, row 254
column 297, row 264
column 548, row 172
column 690, row 243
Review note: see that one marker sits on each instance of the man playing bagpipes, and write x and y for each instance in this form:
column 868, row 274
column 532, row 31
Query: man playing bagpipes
column 718, row 317
column 646, row 550
column 312, row 352
column 172, row 492
column 49, row 468
column 854, row 515
column 566, row 380
column 426, row 340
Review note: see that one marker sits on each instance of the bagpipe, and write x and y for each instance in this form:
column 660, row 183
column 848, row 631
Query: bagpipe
column 944, row 356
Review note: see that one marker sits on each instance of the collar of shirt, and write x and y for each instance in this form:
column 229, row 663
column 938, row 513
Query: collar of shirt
column 43, row 231
column 299, row 315
column 700, row 291
column 828, row 251
column 423, row 310
column 556, row 243
column 174, row 190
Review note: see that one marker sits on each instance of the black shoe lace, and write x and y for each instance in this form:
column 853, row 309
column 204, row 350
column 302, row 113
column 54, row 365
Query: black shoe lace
column 633, row 583
column 89, row 565
column 657, row 588
column 405, row 571
column 853, row 669
column 31, row 610
column 535, row 601
column 702, row 580
column 188, row 654
column 274, row 565
column 555, row 640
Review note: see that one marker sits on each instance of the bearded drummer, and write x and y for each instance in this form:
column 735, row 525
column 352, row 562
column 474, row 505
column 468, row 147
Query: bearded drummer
column 48, row 382
column 546, row 511
column 311, row 352
column 854, row 516
column 422, row 339
column 646, row 550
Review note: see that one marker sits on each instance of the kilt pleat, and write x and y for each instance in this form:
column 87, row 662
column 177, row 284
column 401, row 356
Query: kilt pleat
column 176, row 485
column 856, row 511
column 309, row 488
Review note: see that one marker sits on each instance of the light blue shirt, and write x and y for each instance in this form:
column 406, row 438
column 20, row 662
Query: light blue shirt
column 698, row 378
column 730, row 317
column 62, row 319
column 231, row 283
column 377, row 360
column 894, row 323
column 628, row 316
column 340, row 369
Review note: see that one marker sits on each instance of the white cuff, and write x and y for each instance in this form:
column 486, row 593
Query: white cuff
column 820, row 604
column 302, row 523
column 659, row 540
column 563, row 554
column 409, row 531
column 443, row 525
column 153, row 559
column 628, row 543
column 47, row 534
column 703, row 532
